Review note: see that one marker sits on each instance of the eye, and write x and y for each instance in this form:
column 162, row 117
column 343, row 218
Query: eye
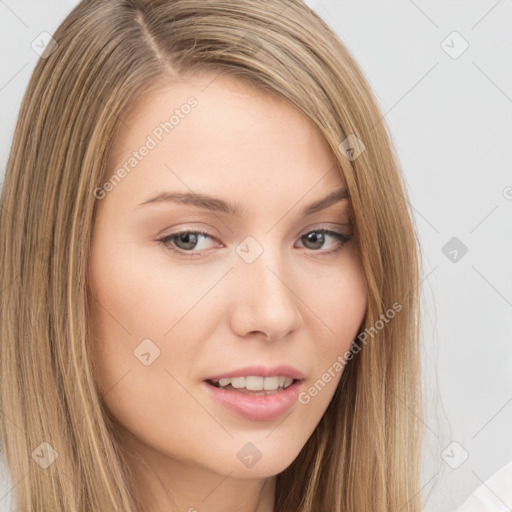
column 317, row 238
column 188, row 239
column 184, row 243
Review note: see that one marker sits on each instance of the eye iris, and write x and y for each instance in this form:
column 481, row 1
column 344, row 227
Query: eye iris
column 316, row 238
column 186, row 237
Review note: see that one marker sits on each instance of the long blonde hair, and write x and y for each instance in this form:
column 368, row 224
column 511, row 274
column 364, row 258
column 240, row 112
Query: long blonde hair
column 365, row 453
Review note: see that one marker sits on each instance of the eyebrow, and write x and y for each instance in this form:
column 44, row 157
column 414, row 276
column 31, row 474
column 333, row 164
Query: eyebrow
column 219, row 205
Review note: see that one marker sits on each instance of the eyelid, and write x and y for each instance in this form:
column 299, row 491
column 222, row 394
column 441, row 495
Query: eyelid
column 332, row 226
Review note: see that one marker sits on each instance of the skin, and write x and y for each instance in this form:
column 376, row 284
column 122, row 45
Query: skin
column 295, row 304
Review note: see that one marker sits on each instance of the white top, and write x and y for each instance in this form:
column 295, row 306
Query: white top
column 495, row 495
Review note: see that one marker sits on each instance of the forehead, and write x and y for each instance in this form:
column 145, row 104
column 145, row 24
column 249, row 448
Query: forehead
column 210, row 133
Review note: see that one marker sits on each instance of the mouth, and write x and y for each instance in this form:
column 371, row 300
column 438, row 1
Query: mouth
column 254, row 404
column 256, row 386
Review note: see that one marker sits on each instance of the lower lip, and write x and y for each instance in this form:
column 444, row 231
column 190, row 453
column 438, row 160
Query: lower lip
column 256, row 407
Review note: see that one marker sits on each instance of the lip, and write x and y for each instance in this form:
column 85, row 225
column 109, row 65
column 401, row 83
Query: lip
column 261, row 371
column 255, row 407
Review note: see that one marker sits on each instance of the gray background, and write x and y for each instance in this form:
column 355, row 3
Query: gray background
column 451, row 122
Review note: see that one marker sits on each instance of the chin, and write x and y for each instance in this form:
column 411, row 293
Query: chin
column 264, row 463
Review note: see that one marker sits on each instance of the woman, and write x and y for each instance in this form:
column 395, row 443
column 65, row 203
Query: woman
column 182, row 175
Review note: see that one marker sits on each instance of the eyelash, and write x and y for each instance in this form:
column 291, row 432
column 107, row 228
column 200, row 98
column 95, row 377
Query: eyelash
column 342, row 238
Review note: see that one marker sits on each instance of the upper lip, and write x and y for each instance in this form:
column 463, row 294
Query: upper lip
column 261, row 371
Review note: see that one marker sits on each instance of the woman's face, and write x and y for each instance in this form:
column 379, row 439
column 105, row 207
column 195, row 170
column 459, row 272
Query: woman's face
column 262, row 288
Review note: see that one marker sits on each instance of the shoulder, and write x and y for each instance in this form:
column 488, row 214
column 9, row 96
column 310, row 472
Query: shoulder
column 494, row 495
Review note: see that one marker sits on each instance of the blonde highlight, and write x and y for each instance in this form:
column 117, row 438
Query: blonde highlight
column 364, row 454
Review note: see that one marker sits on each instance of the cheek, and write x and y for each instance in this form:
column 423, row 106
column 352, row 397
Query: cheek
column 141, row 361
column 338, row 305
column 140, row 296
column 339, row 299
column 139, row 309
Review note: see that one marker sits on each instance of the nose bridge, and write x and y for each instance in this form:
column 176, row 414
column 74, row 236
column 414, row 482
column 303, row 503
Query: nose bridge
column 264, row 299
column 265, row 264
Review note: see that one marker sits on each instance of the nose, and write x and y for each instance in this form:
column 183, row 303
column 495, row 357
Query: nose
column 264, row 299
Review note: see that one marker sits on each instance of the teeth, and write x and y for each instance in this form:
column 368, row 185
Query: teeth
column 269, row 383
column 238, row 382
column 254, row 383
